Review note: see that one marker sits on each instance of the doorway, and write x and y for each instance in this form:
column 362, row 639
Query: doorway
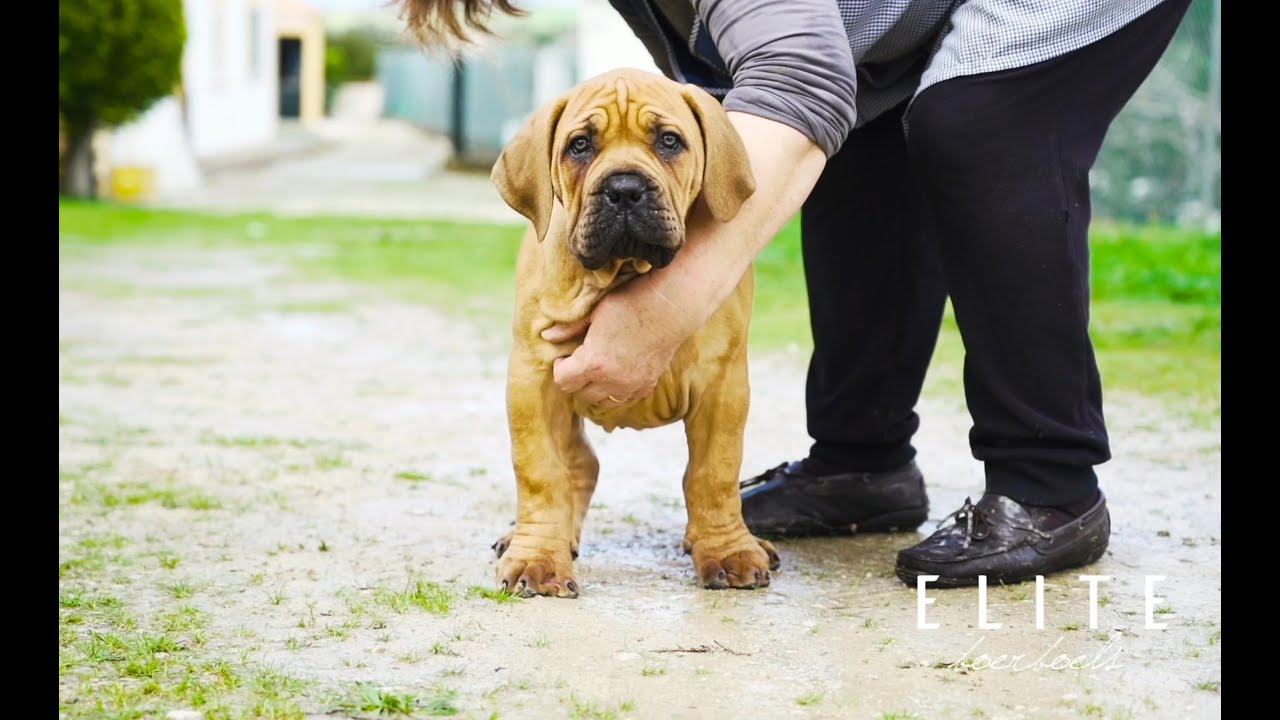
column 290, row 77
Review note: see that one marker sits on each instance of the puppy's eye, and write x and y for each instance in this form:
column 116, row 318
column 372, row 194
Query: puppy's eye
column 579, row 146
column 670, row 141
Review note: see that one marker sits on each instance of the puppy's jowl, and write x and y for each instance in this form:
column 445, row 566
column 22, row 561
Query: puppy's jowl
column 607, row 174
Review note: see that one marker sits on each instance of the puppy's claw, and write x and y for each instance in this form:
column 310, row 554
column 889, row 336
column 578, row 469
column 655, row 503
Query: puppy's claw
column 775, row 561
column 501, row 544
column 746, row 569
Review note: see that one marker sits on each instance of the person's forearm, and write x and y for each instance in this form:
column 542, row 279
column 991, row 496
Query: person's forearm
column 786, row 165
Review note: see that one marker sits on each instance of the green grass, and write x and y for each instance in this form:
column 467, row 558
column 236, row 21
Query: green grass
column 1156, row 316
column 114, row 665
column 168, row 495
column 369, row 698
column 584, row 710
column 418, row 594
column 256, row 441
column 809, row 699
column 1214, row 686
column 487, row 593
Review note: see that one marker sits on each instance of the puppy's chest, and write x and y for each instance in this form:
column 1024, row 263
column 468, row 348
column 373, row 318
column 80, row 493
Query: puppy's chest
column 668, row 403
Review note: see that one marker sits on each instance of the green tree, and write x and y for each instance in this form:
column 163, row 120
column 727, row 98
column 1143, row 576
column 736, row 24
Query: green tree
column 115, row 59
column 350, row 56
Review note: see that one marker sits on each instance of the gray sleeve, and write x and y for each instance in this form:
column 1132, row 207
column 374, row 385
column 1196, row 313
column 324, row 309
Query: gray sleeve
column 790, row 62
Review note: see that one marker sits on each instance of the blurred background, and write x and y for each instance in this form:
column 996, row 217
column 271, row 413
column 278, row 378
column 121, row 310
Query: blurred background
column 263, row 79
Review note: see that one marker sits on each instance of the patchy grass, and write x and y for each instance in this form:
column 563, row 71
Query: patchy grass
column 585, row 710
column 369, row 698
column 179, row 590
column 809, row 699
column 256, row 441
column 418, row 594
column 111, row 665
column 443, row 648
column 91, row 555
column 1155, row 322
column 312, row 307
column 168, row 560
column 123, row 494
column 186, row 617
column 331, row 462
column 1213, row 686
column 494, row 594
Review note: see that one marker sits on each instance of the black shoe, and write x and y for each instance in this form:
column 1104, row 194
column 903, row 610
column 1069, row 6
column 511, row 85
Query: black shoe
column 789, row 500
column 1007, row 542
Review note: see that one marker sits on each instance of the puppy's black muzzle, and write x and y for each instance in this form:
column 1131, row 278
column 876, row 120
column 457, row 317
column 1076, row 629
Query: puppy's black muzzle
column 627, row 220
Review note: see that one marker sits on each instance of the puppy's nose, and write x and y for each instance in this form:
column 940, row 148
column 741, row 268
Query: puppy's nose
column 624, row 190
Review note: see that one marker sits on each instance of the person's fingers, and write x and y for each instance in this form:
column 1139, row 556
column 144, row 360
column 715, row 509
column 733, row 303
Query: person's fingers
column 560, row 332
column 596, row 393
column 569, row 373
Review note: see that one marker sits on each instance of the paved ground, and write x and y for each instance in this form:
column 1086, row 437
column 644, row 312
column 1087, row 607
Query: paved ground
column 383, row 168
column 318, row 472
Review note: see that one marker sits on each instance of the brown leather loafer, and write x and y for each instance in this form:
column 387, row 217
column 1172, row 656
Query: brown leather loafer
column 788, row 500
column 1007, row 542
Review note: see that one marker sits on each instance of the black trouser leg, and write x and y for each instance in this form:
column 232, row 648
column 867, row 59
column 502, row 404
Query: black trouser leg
column 875, row 302
column 1003, row 160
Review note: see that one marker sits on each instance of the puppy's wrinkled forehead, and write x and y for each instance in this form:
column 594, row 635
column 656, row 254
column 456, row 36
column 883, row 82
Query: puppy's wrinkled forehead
column 614, row 107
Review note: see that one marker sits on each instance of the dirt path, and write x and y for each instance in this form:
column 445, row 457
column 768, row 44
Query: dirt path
column 318, row 472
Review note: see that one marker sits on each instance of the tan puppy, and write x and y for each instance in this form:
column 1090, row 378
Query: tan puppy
column 607, row 174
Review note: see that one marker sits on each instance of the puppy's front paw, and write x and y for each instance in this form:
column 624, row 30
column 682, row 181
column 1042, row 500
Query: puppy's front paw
column 500, row 545
column 535, row 566
column 686, row 545
column 741, row 563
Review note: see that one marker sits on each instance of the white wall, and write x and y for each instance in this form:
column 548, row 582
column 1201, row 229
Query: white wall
column 231, row 105
column 229, row 111
column 156, row 140
column 606, row 43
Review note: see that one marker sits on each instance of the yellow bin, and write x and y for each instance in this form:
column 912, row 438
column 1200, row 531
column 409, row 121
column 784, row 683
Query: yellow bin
column 132, row 182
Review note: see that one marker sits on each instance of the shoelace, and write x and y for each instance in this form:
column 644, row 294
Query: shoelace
column 762, row 477
column 977, row 526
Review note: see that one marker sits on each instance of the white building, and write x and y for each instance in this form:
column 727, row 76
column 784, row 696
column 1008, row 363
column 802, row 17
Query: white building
column 229, row 75
column 230, row 101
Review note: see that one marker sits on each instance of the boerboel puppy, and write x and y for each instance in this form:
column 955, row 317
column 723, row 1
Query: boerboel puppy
column 607, row 174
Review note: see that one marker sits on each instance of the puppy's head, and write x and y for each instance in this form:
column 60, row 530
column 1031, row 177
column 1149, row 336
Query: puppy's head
column 627, row 154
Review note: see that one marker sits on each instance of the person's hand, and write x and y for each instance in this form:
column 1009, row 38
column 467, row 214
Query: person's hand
column 631, row 337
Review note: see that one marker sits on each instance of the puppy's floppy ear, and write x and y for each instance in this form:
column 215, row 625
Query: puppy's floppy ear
column 727, row 181
column 523, row 172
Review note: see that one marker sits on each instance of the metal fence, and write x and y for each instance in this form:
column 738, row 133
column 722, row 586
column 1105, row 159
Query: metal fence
column 479, row 100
